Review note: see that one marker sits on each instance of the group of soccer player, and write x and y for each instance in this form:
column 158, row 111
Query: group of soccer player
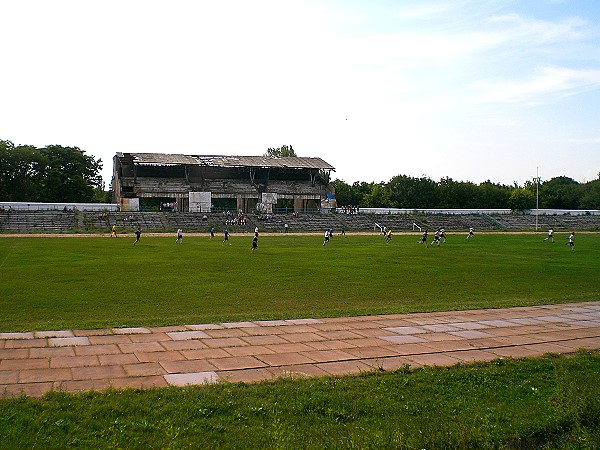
column 570, row 240
column 439, row 236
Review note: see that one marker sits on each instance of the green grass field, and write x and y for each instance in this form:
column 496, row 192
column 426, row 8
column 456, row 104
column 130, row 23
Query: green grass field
column 91, row 282
column 95, row 282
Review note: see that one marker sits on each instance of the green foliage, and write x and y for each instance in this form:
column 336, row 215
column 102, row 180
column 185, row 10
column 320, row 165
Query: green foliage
column 351, row 194
column 560, row 193
column 521, row 199
column 378, row 195
column 551, row 403
column 66, row 283
column 590, row 198
column 408, row 192
column 21, row 172
column 50, row 174
column 280, row 152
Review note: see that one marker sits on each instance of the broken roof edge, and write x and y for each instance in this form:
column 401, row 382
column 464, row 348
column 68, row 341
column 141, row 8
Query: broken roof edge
column 285, row 162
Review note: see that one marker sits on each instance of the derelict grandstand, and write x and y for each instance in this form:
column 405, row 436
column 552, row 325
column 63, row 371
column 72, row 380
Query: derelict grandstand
column 205, row 183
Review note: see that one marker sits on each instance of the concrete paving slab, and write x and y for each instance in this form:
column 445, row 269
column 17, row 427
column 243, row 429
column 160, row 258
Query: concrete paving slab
column 25, row 343
column 224, row 342
column 238, row 362
column 328, row 355
column 132, row 330
column 112, row 360
column 514, row 352
column 68, row 341
column 77, row 360
column 73, row 361
column 51, row 352
column 97, row 372
column 247, row 375
column 469, row 356
column 20, row 364
column 434, row 359
column 187, row 366
column 250, row 350
column 53, row 334
column 345, row 367
column 187, row 335
column 145, row 382
column 297, row 371
column 144, row 369
column 404, row 339
column 191, row 379
column 333, row 345
column 226, row 333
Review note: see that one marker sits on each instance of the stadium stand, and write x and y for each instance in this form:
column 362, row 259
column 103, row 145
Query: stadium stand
column 21, row 221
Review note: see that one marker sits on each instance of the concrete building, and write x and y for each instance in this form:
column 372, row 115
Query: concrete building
column 199, row 183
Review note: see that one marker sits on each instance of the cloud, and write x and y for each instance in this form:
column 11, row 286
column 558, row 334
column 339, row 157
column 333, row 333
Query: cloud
column 547, row 84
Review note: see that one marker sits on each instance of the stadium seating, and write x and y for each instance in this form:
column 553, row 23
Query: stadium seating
column 21, row 221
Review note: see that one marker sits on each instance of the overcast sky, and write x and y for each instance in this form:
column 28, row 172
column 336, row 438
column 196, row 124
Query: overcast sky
column 467, row 89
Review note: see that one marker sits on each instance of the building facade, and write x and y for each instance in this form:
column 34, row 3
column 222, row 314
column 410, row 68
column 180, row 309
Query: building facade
column 202, row 183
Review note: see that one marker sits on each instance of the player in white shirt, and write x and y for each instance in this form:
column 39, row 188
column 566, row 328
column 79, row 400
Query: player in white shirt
column 571, row 241
column 326, row 238
column 436, row 238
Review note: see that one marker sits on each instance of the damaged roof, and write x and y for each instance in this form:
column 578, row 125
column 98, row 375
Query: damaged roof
column 169, row 159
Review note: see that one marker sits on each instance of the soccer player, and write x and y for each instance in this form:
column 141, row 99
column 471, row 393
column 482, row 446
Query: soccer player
column 443, row 234
column 114, row 231
column 255, row 242
column 138, row 233
column 423, row 239
column 179, row 239
column 436, row 238
column 326, row 238
column 212, row 232
column 226, row 236
column 343, row 231
column 571, row 241
column 550, row 235
column 285, row 228
column 388, row 235
column 471, row 233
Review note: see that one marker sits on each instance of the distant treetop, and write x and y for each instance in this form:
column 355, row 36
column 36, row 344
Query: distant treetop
column 282, row 151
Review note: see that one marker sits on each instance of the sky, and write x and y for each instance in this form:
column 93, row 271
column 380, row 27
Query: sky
column 473, row 90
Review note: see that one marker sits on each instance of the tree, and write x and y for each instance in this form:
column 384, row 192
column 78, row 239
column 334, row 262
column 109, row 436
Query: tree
column 69, row 175
column 343, row 192
column 379, row 197
column 590, row 198
column 493, row 195
column 409, row 192
column 50, row 174
column 280, row 152
column 560, row 193
column 20, row 172
column 521, row 199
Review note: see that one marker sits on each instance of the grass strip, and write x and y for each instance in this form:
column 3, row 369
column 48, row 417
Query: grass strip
column 551, row 402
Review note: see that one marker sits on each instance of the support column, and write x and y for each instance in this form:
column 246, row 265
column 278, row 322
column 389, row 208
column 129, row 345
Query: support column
column 298, row 203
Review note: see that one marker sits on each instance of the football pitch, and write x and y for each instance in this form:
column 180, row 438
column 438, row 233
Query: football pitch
column 52, row 283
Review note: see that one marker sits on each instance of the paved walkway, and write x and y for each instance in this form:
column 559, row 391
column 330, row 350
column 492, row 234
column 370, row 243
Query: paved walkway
column 76, row 360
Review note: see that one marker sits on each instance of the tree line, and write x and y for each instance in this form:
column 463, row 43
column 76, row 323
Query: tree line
column 408, row 192
column 53, row 174
column 66, row 174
